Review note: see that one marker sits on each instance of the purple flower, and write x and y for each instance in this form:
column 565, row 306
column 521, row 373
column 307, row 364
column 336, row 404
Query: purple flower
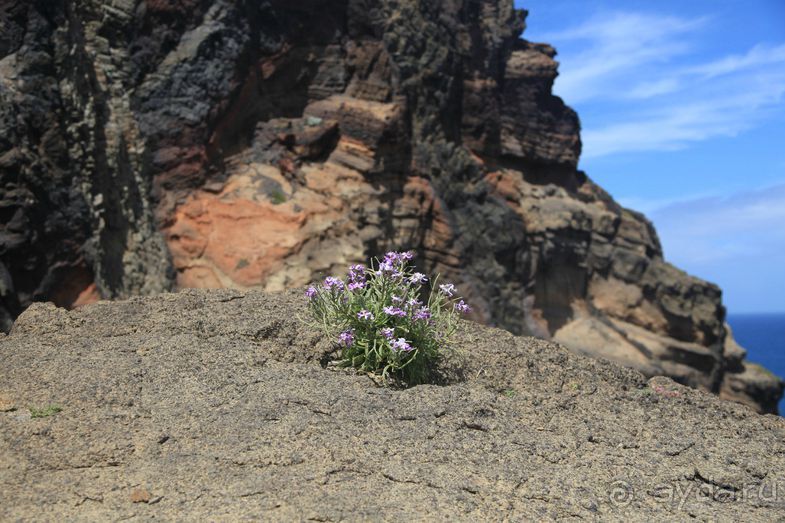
column 414, row 302
column 356, row 285
column 461, row 306
column 347, row 337
column 310, row 292
column 399, row 256
column 395, row 311
column 417, row 278
column 387, row 332
column 357, row 273
column 385, row 266
column 391, row 257
column 393, row 261
column 401, row 345
column 330, row 282
column 448, row 289
column 423, row 314
column 365, row 315
column 397, row 299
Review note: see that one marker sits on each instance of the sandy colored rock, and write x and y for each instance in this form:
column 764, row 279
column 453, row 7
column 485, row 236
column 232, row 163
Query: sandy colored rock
column 220, row 405
column 139, row 495
column 6, row 403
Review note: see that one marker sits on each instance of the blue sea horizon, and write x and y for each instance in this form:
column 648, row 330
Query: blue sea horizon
column 763, row 335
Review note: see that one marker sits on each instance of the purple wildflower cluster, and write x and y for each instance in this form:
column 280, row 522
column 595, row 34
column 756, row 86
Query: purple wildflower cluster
column 462, row 307
column 401, row 345
column 393, row 264
column 332, row 283
column 356, row 277
column 418, row 278
column 448, row 289
column 347, row 337
column 422, row 314
column 395, row 311
column 384, row 320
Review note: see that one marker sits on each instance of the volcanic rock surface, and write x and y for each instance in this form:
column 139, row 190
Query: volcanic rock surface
column 148, row 145
column 220, row 405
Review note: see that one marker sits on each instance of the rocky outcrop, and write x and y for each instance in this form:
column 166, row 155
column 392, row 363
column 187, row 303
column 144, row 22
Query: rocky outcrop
column 221, row 405
column 150, row 145
column 77, row 219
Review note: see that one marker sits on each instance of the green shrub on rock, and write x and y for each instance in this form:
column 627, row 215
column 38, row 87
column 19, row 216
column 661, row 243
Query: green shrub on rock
column 384, row 321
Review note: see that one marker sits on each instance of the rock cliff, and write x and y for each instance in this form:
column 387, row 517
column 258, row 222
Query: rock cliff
column 148, row 145
column 219, row 405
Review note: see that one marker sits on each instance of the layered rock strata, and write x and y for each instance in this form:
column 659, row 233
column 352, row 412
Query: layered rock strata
column 150, row 145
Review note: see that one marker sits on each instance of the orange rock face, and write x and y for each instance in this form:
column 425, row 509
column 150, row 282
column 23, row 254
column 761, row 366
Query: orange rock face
column 281, row 223
column 223, row 240
column 288, row 220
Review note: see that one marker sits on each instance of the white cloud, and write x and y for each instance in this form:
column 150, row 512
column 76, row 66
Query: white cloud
column 612, row 44
column 758, row 210
column 642, row 84
column 650, row 206
column 649, row 89
column 701, row 116
column 711, row 228
column 737, row 241
column 757, row 56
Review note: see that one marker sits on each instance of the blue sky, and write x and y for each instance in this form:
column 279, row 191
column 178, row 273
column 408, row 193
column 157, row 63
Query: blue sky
column 682, row 105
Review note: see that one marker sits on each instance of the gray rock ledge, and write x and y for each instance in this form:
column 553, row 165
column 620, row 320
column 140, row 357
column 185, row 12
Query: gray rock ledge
column 218, row 405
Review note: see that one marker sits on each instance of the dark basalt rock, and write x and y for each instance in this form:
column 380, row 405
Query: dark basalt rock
column 148, row 145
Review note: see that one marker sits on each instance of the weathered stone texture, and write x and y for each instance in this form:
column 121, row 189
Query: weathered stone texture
column 221, row 405
column 149, row 145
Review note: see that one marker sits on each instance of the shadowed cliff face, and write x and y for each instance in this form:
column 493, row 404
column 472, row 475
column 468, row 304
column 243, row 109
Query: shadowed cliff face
column 149, row 145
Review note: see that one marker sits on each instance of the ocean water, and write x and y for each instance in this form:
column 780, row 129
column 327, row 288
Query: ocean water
column 763, row 335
